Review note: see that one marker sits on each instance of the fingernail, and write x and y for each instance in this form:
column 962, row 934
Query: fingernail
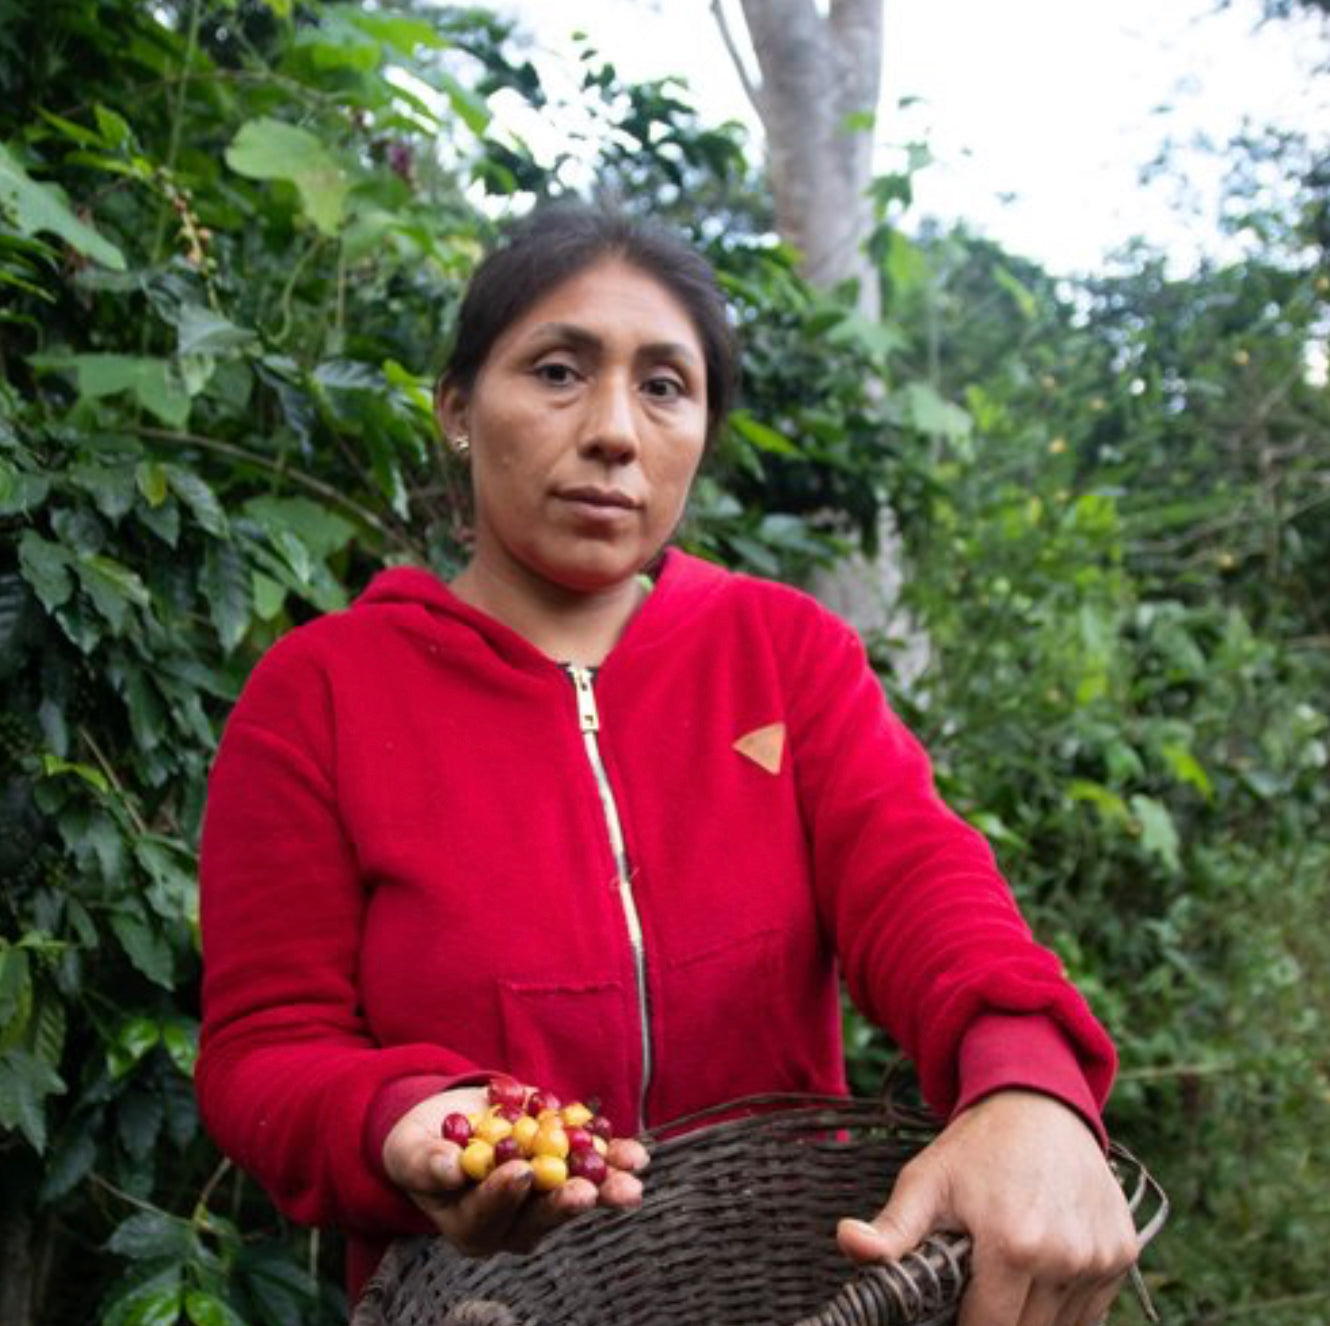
column 863, row 1227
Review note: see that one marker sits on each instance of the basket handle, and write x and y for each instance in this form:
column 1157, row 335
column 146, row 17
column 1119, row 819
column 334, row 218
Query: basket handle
column 930, row 1280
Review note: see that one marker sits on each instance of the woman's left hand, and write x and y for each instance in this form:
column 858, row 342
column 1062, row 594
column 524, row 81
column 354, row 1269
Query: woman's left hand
column 1025, row 1177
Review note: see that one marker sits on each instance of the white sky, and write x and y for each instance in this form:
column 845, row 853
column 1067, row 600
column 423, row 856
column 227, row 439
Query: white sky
column 1040, row 112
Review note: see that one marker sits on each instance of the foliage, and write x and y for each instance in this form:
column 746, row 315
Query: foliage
column 1122, row 578
column 232, row 235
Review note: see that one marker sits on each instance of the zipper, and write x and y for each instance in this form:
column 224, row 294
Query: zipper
column 588, row 719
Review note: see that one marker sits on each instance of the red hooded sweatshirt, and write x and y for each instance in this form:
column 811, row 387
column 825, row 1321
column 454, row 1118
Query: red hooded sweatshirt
column 432, row 853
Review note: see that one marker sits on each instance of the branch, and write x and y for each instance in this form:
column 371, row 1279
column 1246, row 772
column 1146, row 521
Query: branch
column 298, row 477
column 751, row 90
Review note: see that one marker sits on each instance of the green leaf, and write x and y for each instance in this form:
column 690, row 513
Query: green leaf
column 225, row 582
column 995, row 829
column 151, row 479
column 25, row 1083
column 1159, row 835
column 201, row 331
column 139, row 1119
column 199, row 497
column 15, row 996
column 145, row 948
column 269, row 597
column 172, row 893
column 1107, row 803
column 147, row 716
column 111, row 487
column 878, row 340
column 467, row 106
column 762, row 436
column 181, row 1040
column 74, row 1155
column 155, row 383
column 41, row 208
column 267, row 149
column 54, row 767
column 1020, row 293
column 45, row 566
column 113, row 589
column 207, row 1310
column 151, row 1234
column 135, row 1038
column 322, row 531
column 153, row 1302
column 1186, row 768
column 925, row 410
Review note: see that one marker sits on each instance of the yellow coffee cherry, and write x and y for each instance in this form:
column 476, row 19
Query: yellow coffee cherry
column 478, row 1160
column 493, row 1129
column 576, row 1115
column 550, row 1141
column 524, row 1133
column 548, row 1173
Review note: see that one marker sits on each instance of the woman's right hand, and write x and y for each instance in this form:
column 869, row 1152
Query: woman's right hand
column 504, row 1213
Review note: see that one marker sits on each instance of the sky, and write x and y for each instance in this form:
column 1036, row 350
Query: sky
column 1040, row 114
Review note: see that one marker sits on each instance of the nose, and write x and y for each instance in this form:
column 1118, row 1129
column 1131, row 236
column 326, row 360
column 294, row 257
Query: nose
column 610, row 428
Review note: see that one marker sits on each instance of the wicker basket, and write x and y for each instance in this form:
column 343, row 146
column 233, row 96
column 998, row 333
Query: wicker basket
column 737, row 1228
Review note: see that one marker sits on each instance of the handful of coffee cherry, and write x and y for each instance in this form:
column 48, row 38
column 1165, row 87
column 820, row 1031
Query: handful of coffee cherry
column 560, row 1142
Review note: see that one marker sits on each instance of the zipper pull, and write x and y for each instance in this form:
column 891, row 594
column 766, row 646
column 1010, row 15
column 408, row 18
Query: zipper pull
column 587, row 717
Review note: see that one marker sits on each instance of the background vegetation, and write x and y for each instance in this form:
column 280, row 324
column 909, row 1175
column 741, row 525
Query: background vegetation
column 231, row 242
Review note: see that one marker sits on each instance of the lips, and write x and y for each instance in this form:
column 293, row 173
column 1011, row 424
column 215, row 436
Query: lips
column 609, row 499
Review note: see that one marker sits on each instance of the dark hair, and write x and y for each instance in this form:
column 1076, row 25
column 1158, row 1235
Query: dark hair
column 560, row 240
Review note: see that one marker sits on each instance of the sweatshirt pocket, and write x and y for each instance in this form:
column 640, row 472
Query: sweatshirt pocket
column 572, row 1039
column 728, row 1017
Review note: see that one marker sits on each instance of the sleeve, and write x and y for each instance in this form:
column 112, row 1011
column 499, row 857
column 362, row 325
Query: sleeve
column 290, row 1081
column 927, row 932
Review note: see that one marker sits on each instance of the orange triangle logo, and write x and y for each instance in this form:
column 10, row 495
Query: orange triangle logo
column 765, row 746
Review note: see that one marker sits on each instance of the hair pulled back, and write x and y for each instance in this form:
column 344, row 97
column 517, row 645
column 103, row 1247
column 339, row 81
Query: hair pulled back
column 561, row 240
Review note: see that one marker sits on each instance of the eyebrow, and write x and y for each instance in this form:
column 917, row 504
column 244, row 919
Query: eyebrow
column 581, row 339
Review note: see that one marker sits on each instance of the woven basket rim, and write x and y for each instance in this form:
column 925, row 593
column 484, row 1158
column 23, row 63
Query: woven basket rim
column 924, row 1286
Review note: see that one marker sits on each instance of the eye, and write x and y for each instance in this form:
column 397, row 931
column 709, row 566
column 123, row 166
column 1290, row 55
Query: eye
column 556, row 373
column 663, row 388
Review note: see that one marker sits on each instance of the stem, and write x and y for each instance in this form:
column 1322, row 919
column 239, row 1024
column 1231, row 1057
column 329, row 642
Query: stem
column 117, row 786
column 124, row 1196
column 751, row 89
column 288, row 290
column 297, row 477
column 1162, row 1071
column 201, row 1206
column 177, row 123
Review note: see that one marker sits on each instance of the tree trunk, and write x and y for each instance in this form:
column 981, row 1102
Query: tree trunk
column 820, row 81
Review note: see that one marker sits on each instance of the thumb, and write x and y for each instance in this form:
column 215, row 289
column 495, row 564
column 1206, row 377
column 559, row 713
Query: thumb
column 916, row 1208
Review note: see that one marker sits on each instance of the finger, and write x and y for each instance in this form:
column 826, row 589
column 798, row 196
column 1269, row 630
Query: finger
column 997, row 1292
column 627, row 1153
column 914, row 1210
column 1097, row 1303
column 544, row 1215
column 479, row 1222
column 1048, row 1304
column 427, row 1169
column 621, row 1190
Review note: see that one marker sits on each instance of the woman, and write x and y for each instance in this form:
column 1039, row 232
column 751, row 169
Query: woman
column 611, row 820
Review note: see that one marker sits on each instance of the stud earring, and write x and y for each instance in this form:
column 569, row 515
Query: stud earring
column 461, row 446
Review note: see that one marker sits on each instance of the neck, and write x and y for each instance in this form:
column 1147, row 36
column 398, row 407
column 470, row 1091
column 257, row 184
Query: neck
column 568, row 625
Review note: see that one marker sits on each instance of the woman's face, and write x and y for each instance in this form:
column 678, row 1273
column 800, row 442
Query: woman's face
column 587, row 422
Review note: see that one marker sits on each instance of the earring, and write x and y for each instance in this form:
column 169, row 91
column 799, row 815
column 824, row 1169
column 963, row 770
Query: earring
column 461, row 446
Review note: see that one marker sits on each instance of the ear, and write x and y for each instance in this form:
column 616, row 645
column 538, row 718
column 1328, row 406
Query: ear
column 450, row 410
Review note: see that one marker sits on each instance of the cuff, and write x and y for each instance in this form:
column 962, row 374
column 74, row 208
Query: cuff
column 1029, row 1052
column 395, row 1098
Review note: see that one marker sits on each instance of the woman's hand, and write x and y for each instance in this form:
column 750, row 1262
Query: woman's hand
column 504, row 1213
column 1021, row 1173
